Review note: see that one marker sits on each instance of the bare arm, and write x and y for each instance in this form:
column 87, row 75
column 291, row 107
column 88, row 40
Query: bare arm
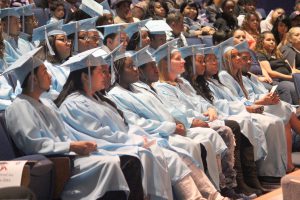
column 273, row 74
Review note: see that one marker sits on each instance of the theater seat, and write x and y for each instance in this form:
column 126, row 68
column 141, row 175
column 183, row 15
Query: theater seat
column 44, row 176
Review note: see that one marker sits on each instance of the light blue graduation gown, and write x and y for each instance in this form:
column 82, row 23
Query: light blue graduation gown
column 233, row 111
column 144, row 109
column 10, row 54
column 273, row 127
column 89, row 119
column 40, row 130
column 21, row 46
column 59, row 76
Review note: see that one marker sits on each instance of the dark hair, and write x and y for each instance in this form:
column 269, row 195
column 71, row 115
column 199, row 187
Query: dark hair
column 119, row 67
column 101, row 20
column 199, row 84
column 225, row 1
column 133, row 42
column 55, row 4
column 111, row 36
column 52, row 58
column 76, row 16
column 25, row 82
column 151, row 13
column 282, row 19
column 72, row 84
column 190, row 4
column 220, row 36
column 174, row 16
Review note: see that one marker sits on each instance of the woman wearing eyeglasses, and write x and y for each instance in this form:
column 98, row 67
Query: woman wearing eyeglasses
column 61, row 47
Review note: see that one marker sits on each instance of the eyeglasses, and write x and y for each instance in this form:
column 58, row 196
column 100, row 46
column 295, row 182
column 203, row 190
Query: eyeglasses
column 84, row 37
column 64, row 40
column 246, row 58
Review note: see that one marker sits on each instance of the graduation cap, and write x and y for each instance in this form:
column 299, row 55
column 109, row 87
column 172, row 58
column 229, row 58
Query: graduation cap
column 244, row 47
column 110, row 60
column 223, row 47
column 7, row 12
column 112, row 28
column 192, row 51
column 76, row 26
column 42, row 33
column 26, row 10
column 136, row 27
column 165, row 50
column 91, row 7
column 24, row 65
column 116, row 2
column 142, row 57
column 87, row 59
column 158, row 27
column 106, row 7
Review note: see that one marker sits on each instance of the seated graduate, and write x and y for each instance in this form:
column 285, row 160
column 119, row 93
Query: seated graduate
column 138, row 36
column 200, row 114
column 113, row 36
column 6, row 85
column 142, row 107
column 28, row 23
column 98, row 118
column 40, row 130
column 200, row 70
column 275, row 163
column 10, row 26
column 11, row 30
column 286, row 89
column 251, row 91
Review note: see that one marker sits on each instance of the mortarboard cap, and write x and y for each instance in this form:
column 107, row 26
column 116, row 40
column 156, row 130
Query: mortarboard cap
column 157, row 27
column 5, row 12
column 110, row 60
column 85, row 59
column 192, row 51
column 91, row 7
column 42, row 33
column 142, row 57
column 112, row 28
column 25, row 64
column 165, row 50
column 76, row 26
column 136, row 27
column 211, row 50
column 116, row 2
column 244, row 47
column 26, row 10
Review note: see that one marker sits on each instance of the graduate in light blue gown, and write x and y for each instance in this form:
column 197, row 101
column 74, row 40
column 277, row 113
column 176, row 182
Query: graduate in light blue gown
column 97, row 118
column 197, row 88
column 200, row 114
column 233, row 65
column 40, row 130
column 11, row 27
column 194, row 57
column 142, row 107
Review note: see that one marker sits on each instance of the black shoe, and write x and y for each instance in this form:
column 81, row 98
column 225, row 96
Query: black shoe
column 230, row 193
